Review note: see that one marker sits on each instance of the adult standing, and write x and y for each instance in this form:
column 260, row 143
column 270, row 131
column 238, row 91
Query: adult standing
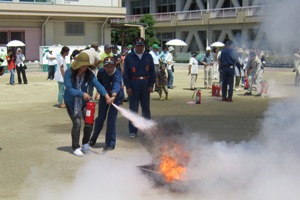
column 95, row 61
column 228, row 60
column 170, row 66
column 76, row 80
column 20, row 66
column 255, row 74
column 106, row 53
column 296, row 58
column 193, row 70
column 117, row 57
column 11, row 66
column 51, row 64
column 59, row 74
column 111, row 79
column 215, row 70
column 155, row 55
column 163, row 55
column 208, row 62
column 139, row 78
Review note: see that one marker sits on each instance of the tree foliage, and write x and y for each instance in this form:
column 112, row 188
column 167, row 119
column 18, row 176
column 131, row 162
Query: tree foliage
column 131, row 33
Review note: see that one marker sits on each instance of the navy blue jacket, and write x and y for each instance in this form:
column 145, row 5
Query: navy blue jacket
column 135, row 67
column 113, row 83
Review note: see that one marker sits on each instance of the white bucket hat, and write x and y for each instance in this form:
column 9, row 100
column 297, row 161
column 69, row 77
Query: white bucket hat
column 171, row 48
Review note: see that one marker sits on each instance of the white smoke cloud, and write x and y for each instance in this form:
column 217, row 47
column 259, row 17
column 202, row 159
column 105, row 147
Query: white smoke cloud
column 281, row 24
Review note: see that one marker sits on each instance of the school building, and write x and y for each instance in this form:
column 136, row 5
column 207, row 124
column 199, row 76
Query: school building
column 201, row 22
column 49, row 22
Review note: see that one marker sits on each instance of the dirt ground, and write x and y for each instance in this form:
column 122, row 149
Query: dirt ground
column 35, row 134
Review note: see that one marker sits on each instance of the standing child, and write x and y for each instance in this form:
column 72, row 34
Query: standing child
column 193, row 70
column 161, row 82
column 111, row 79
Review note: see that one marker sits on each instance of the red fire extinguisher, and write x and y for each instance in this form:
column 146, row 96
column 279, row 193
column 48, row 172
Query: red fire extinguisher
column 213, row 90
column 246, row 85
column 198, row 97
column 90, row 112
column 218, row 90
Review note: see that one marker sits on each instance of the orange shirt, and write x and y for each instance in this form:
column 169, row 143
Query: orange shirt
column 10, row 62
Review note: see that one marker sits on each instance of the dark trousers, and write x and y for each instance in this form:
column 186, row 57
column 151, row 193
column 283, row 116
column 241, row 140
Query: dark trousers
column 227, row 79
column 21, row 70
column 75, row 133
column 139, row 95
column 51, row 72
column 111, row 113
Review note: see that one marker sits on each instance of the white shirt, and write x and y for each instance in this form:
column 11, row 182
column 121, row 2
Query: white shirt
column 51, row 59
column 155, row 57
column 170, row 61
column 94, row 56
column 194, row 65
column 58, row 76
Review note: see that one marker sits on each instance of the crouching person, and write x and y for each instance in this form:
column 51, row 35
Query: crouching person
column 111, row 79
column 76, row 80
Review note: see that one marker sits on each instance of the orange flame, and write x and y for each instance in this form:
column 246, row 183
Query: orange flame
column 170, row 162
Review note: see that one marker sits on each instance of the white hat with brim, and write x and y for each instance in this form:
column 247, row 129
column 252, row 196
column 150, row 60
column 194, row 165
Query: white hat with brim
column 82, row 59
column 19, row 49
column 171, row 48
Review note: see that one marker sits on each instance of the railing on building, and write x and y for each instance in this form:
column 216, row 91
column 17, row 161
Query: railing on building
column 190, row 15
column 223, row 13
column 197, row 14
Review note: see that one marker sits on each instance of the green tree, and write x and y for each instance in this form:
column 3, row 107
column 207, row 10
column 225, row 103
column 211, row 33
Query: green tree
column 131, row 33
column 150, row 33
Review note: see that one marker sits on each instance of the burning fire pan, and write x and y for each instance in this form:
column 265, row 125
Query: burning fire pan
column 159, row 180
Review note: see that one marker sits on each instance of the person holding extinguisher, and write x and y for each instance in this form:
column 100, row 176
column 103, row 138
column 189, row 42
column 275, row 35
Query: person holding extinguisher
column 76, row 80
column 111, row 78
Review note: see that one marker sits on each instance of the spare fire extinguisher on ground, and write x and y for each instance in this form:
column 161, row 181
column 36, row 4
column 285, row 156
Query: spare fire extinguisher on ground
column 198, row 97
column 90, row 112
column 246, row 85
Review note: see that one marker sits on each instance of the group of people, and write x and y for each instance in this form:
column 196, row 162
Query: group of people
column 232, row 66
column 136, row 72
column 16, row 62
column 133, row 70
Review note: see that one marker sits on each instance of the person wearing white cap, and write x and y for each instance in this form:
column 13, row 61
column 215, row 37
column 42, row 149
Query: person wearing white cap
column 208, row 62
column 170, row 66
column 76, row 80
column 51, row 64
column 20, row 66
column 193, row 70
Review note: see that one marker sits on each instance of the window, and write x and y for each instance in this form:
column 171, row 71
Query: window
column 3, row 38
column 140, row 7
column 166, row 6
column 74, row 29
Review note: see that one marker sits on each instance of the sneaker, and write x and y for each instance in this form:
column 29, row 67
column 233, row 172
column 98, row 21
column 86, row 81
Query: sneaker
column 161, row 99
column 78, row 152
column 248, row 93
column 108, row 148
column 168, row 98
column 85, row 148
column 132, row 135
column 92, row 142
column 224, row 99
column 258, row 95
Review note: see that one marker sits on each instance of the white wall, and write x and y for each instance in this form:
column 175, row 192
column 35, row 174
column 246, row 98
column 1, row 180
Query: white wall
column 55, row 34
column 105, row 3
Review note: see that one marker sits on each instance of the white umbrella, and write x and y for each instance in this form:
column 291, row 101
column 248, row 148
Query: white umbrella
column 15, row 43
column 176, row 42
column 217, row 44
